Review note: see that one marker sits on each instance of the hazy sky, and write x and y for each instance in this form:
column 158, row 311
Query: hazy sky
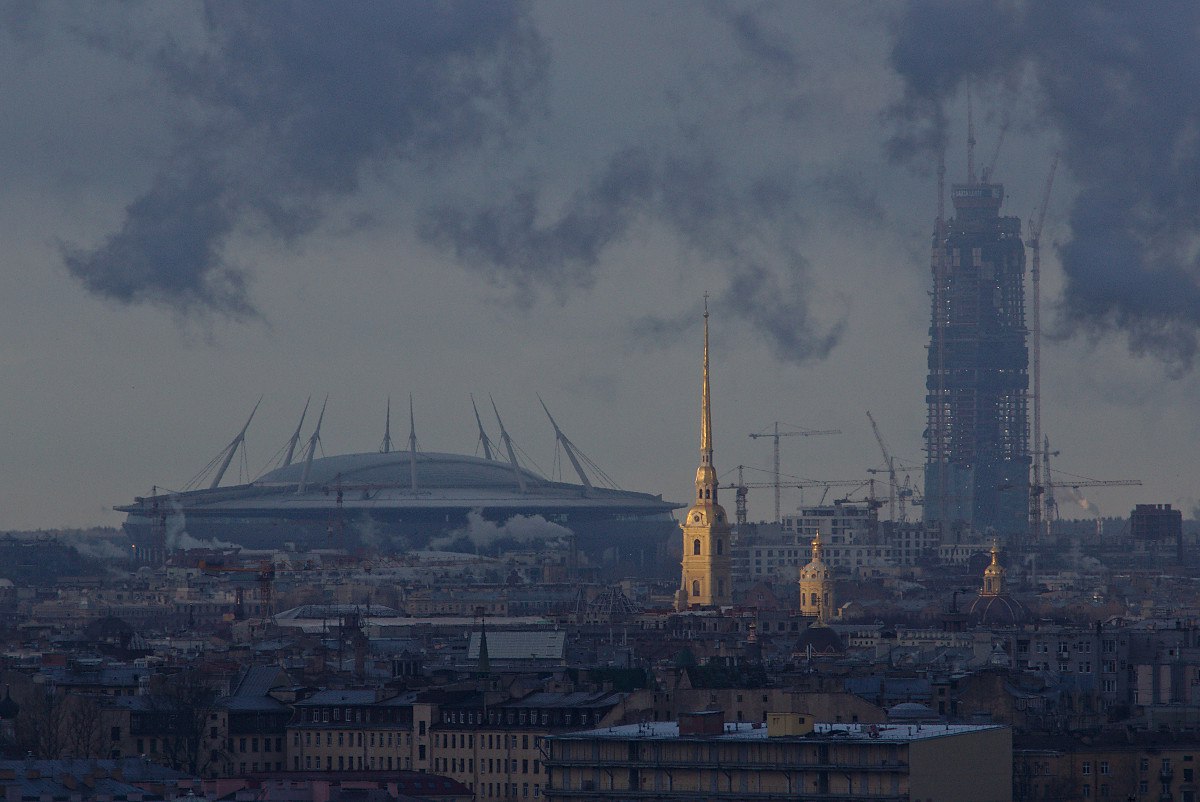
column 202, row 203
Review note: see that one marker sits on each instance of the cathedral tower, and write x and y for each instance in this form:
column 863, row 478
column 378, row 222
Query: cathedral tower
column 707, row 580
column 816, row 586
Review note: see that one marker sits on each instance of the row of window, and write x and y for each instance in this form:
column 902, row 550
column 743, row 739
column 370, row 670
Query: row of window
column 466, row 740
column 520, row 717
column 372, row 762
column 323, row 715
column 460, row 765
column 348, row 739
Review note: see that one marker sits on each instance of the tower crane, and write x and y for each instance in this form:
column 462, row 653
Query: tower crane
column 775, row 434
column 742, row 488
column 991, row 165
column 890, row 465
column 1035, row 273
column 1073, row 483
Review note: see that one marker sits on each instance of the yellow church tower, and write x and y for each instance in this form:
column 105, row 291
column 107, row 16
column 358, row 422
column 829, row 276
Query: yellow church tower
column 707, row 577
column 816, row 586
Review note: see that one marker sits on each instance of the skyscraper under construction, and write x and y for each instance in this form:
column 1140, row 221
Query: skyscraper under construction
column 977, row 435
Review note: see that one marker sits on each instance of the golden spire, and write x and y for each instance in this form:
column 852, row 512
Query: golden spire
column 816, row 547
column 706, row 474
column 993, row 575
column 705, row 407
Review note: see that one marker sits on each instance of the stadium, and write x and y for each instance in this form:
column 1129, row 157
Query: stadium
column 390, row 502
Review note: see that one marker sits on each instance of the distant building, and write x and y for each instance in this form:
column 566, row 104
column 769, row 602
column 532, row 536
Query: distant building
column 850, row 535
column 1156, row 532
column 703, row 757
column 977, row 430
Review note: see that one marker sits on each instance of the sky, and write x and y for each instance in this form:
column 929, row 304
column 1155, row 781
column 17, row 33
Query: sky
column 205, row 203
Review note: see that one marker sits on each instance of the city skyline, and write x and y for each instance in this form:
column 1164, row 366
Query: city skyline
column 175, row 250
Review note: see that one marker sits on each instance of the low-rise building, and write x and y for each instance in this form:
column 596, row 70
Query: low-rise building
column 703, row 757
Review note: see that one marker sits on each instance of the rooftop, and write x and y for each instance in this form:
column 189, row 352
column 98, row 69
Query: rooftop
column 734, row 731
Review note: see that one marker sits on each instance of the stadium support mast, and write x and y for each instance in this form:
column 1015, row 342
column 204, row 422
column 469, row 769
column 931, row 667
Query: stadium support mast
column 311, row 450
column 483, row 438
column 512, row 455
column 386, row 446
column 291, row 450
column 232, row 448
column 568, row 447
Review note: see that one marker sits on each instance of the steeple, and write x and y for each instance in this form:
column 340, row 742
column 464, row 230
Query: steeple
column 706, row 474
column 816, row 586
column 993, row 575
column 706, row 449
column 707, row 577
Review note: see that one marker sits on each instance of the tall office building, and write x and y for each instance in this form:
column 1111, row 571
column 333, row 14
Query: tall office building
column 977, row 434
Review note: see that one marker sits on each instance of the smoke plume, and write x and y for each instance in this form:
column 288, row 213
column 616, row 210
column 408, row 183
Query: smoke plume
column 520, row 528
column 1120, row 86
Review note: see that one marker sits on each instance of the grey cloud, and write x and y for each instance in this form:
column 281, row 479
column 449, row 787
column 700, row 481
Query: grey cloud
column 1120, row 85
column 747, row 225
column 293, row 102
column 168, row 250
column 506, row 241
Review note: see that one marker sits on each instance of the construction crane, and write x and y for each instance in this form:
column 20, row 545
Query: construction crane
column 1035, row 237
column 991, row 166
column 890, row 466
column 265, row 574
column 1073, row 483
column 742, row 489
column 775, row 434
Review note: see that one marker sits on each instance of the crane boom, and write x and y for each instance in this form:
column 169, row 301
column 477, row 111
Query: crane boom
column 891, row 467
column 775, row 434
column 1035, row 274
column 991, row 166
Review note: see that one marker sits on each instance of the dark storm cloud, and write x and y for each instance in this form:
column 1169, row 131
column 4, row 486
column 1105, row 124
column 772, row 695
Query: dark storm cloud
column 745, row 224
column 1120, row 84
column 506, row 240
column 167, row 250
column 287, row 105
column 295, row 100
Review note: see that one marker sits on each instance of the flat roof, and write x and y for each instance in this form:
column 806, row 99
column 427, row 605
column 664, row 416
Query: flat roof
column 747, row 731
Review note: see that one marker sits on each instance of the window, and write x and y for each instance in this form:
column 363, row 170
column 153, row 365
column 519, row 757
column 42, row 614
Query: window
column 696, row 546
column 1104, row 768
column 1087, row 767
column 695, row 592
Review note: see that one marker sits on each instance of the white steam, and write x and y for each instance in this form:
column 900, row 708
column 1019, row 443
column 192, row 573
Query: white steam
column 521, row 528
column 176, row 535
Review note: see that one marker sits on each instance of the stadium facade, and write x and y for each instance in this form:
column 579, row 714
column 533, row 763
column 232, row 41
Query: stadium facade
column 389, row 502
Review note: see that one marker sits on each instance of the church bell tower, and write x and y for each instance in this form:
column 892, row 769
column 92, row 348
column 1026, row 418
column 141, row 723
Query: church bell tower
column 707, row 579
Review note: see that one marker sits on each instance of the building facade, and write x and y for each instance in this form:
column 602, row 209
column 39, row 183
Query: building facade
column 977, row 431
column 703, row 757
